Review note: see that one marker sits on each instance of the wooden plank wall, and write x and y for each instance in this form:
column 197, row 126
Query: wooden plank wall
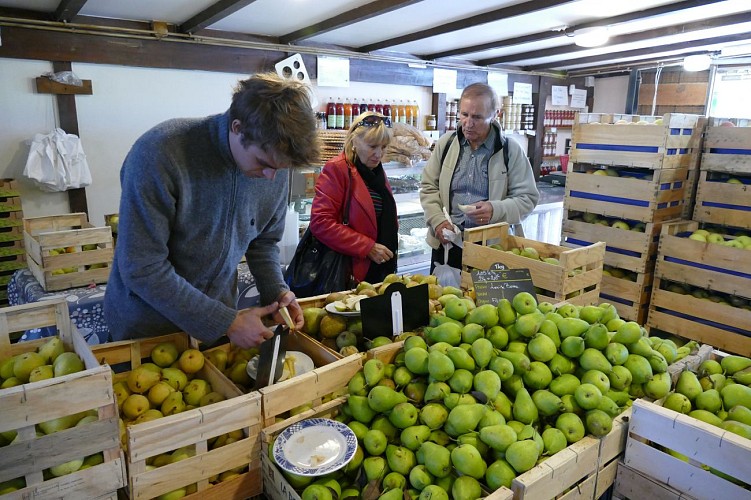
column 677, row 92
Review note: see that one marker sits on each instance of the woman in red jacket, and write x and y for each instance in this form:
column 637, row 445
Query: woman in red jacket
column 370, row 238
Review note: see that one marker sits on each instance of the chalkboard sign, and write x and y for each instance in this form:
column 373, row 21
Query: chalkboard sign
column 498, row 283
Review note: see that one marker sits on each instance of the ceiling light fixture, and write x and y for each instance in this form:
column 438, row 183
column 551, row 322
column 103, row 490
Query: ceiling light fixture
column 591, row 37
column 697, row 62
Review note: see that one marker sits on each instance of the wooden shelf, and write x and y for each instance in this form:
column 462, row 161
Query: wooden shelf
column 46, row 86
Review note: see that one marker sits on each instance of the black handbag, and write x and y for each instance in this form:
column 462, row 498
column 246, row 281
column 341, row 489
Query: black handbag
column 316, row 269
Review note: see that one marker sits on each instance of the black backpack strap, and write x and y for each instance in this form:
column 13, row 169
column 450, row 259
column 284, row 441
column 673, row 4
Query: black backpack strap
column 500, row 143
column 446, row 150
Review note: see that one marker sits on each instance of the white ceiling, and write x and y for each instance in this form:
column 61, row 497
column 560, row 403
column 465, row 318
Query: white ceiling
column 444, row 25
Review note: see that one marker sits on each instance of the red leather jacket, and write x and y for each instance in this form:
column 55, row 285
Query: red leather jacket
column 359, row 237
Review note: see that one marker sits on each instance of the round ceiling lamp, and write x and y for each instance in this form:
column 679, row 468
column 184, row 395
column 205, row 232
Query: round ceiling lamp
column 698, row 62
column 591, row 37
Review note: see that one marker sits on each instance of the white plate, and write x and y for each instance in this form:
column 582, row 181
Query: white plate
column 314, row 447
column 303, row 364
column 330, row 308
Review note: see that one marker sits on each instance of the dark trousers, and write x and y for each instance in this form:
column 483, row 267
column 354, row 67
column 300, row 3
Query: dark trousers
column 455, row 257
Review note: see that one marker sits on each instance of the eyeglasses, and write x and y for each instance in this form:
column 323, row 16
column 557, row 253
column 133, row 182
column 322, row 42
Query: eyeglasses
column 373, row 121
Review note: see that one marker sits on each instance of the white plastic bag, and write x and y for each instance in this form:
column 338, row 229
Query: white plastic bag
column 57, row 162
column 447, row 275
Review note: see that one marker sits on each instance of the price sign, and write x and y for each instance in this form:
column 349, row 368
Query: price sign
column 500, row 283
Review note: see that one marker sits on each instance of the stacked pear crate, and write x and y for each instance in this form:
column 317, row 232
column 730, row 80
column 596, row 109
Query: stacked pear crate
column 629, row 175
column 12, row 252
column 702, row 286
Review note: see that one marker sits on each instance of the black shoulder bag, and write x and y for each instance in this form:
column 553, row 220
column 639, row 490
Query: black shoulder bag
column 316, row 269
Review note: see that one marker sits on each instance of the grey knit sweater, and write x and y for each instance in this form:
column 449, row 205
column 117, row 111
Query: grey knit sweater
column 187, row 216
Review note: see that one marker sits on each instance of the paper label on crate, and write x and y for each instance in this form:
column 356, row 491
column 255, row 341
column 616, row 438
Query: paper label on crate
column 498, row 283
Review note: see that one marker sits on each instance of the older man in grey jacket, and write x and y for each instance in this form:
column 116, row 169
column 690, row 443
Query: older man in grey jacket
column 478, row 175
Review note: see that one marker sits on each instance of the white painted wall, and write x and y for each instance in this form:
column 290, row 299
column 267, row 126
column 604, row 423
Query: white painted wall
column 610, row 94
column 125, row 103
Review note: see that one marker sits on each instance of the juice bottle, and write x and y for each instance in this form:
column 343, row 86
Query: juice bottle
column 378, row 107
column 339, row 113
column 347, row 114
column 415, row 114
column 402, row 112
column 371, row 106
column 331, row 114
column 355, row 108
column 394, row 112
column 408, row 114
column 387, row 109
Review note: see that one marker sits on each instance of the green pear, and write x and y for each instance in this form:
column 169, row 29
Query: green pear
column 467, row 487
column 467, row 461
column 524, row 408
column 572, row 327
column 709, row 400
column 609, row 406
column 642, row 347
column 598, row 422
column 446, row 332
column 25, row 363
column 502, row 366
column 403, row 415
column 732, row 363
column 564, row 384
column 573, row 346
column 373, row 370
column 491, row 417
column 400, row 459
column 499, row 474
column 591, row 314
column 506, row 312
column 433, row 492
column 375, row 468
column 522, row 455
column 621, row 398
column 641, row 370
column 547, row 403
column 498, row 336
column 539, row 376
column 677, row 402
column 394, row 481
column 482, row 352
column 739, row 414
column 502, row 404
column 593, row 359
column 413, row 342
column 620, row 378
column 412, row 437
column 383, row 424
column 541, row 348
column 485, row 315
column 598, row 379
column 436, row 391
column 195, row 390
column 658, row 362
column 51, row 349
column 461, row 358
column 312, row 320
column 472, row 332
column 487, row 382
column 616, row 353
column 659, row 386
column 464, row 418
column 737, row 428
column 554, row 440
column 596, row 336
column 571, row 426
column 529, row 324
column 688, row 384
column 560, row 364
column 498, row 437
column 461, row 381
column 736, row 394
column 706, row 416
column 440, row 366
column 360, row 409
column 437, row 459
column 520, row 361
column 628, row 333
column 456, row 309
column 524, row 303
column 434, row 415
column 550, row 329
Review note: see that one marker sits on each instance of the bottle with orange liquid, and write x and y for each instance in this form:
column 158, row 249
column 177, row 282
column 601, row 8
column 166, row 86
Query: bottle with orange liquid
column 415, row 114
column 347, row 114
column 402, row 112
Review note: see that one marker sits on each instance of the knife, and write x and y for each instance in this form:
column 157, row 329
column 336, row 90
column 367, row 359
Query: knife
column 271, row 358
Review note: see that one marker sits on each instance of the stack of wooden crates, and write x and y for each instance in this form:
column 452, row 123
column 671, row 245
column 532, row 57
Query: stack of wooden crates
column 628, row 175
column 702, row 290
column 12, row 252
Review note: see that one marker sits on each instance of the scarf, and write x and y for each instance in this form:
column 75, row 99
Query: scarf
column 388, row 228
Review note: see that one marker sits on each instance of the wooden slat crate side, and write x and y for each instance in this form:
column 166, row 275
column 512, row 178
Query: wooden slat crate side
column 134, row 351
column 631, row 299
column 247, row 485
column 689, row 199
column 722, row 203
column 727, row 149
column 559, row 472
column 687, row 317
column 98, row 482
column 282, row 397
column 386, row 353
column 613, row 444
column 630, row 483
column 59, row 222
column 195, row 469
column 649, row 213
column 702, row 443
column 605, row 478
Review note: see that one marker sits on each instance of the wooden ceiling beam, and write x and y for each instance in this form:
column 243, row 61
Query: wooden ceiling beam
column 353, row 16
column 469, row 22
column 67, row 10
column 677, row 29
column 212, row 14
column 648, row 53
column 547, row 35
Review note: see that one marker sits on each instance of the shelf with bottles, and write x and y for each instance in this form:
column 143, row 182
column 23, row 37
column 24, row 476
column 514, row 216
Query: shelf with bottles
column 340, row 112
column 559, row 118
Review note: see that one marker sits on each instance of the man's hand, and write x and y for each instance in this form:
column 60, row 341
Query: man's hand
column 248, row 330
column 295, row 311
column 380, row 254
column 439, row 231
column 482, row 213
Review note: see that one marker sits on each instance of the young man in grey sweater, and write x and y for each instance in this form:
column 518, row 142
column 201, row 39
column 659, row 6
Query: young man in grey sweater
column 197, row 195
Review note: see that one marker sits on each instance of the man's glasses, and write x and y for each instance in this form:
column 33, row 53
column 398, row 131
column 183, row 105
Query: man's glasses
column 373, row 121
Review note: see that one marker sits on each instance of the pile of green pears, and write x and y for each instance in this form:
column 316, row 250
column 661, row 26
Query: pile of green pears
column 719, row 393
column 487, row 392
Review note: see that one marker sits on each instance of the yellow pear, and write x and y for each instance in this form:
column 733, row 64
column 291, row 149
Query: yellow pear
column 142, row 379
column 25, row 363
column 164, row 354
column 148, row 415
column 175, row 377
column 173, row 404
column 191, row 361
column 67, row 363
column 211, row 398
column 218, row 358
column 135, row 405
column 121, row 392
column 51, row 349
column 159, row 392
column 66, row 468
column 195, row 390
column 41, row 373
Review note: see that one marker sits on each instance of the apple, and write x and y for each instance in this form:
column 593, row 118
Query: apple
column 619, row 224
column 715, row 238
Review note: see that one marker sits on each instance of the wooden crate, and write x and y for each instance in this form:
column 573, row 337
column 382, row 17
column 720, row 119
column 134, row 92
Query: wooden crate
column 69, row 231
column 727, row 149
column 723, row 203
column 632, row 250
column 658, row 197
column 702, row 443
column 630, row 298
column 720, row 325
column 630, row 483
column 555, row 280
column 597, row 139
column 22, row 407
column 190, row 428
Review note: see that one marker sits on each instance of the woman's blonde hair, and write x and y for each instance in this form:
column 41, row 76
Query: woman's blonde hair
column 374, row 134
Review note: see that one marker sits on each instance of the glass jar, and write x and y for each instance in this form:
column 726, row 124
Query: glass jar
column 430, row 122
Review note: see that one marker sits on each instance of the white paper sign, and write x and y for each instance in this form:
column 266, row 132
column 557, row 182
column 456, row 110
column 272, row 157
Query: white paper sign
column 560, row 95
column 579, row 98
column 444, row 81
column 333, row 71
column 499, row 82
column 522, row 93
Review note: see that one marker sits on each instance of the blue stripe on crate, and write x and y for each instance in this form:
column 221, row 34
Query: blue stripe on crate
column 703, row 321
column 687, row 131
column 675, row 131
column 612, row 199
column 683, row 151
column 742, row 208
column 730, row 151
column 672, row 151
column 611, row 298
column 721, row 270
column 618, row 147
column 620, row 251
